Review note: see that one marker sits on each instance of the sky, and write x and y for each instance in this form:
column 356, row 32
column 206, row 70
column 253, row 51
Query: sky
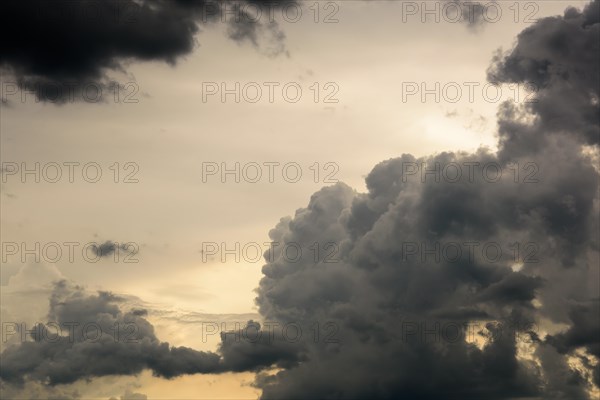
column 180, row 158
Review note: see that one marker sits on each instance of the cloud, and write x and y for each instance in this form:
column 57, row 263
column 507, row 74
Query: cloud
column 472, row 12
column 82, row 352
column 35, row 391
column 59, row 48
column 377, row 287
column 558, row 56
column 93, row 335
column 108, row 247
column 32, row 276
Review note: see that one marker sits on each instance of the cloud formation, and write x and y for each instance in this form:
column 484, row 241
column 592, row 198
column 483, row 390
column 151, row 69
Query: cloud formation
column 380, row 286
column 68, row 44
column 404, row 317
column 91, row 345
column 94, row 335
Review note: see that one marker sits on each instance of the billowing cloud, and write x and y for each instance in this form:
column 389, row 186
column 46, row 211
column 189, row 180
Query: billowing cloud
column 394, row 287
column 89, row 336
column 93, row 335
column 559, row 57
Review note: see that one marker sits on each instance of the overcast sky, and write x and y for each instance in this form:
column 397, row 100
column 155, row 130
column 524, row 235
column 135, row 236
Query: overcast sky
column 162, row 207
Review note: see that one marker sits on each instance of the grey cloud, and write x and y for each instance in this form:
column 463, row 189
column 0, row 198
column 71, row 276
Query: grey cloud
column 584, row 330
column 108, row 248
column 37, row 391
column 559, row 56
column 374, row 290
column 139, row 312
column 68, row 44
column 66, row 359
column 253, row 348
column 514, row 287
column 99, row 339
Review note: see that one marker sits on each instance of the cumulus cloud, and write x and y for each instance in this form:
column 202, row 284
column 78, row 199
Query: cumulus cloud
column 379, row 286
column 88, row 345
column 93, row 335
column 559, row 57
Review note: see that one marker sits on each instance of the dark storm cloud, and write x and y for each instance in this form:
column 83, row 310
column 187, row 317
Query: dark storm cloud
column 68, row 44
column 585, row 330
column 560, row 57
column 98, row 338
column 79, row 355
column 254, row 348
column 374, row 292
